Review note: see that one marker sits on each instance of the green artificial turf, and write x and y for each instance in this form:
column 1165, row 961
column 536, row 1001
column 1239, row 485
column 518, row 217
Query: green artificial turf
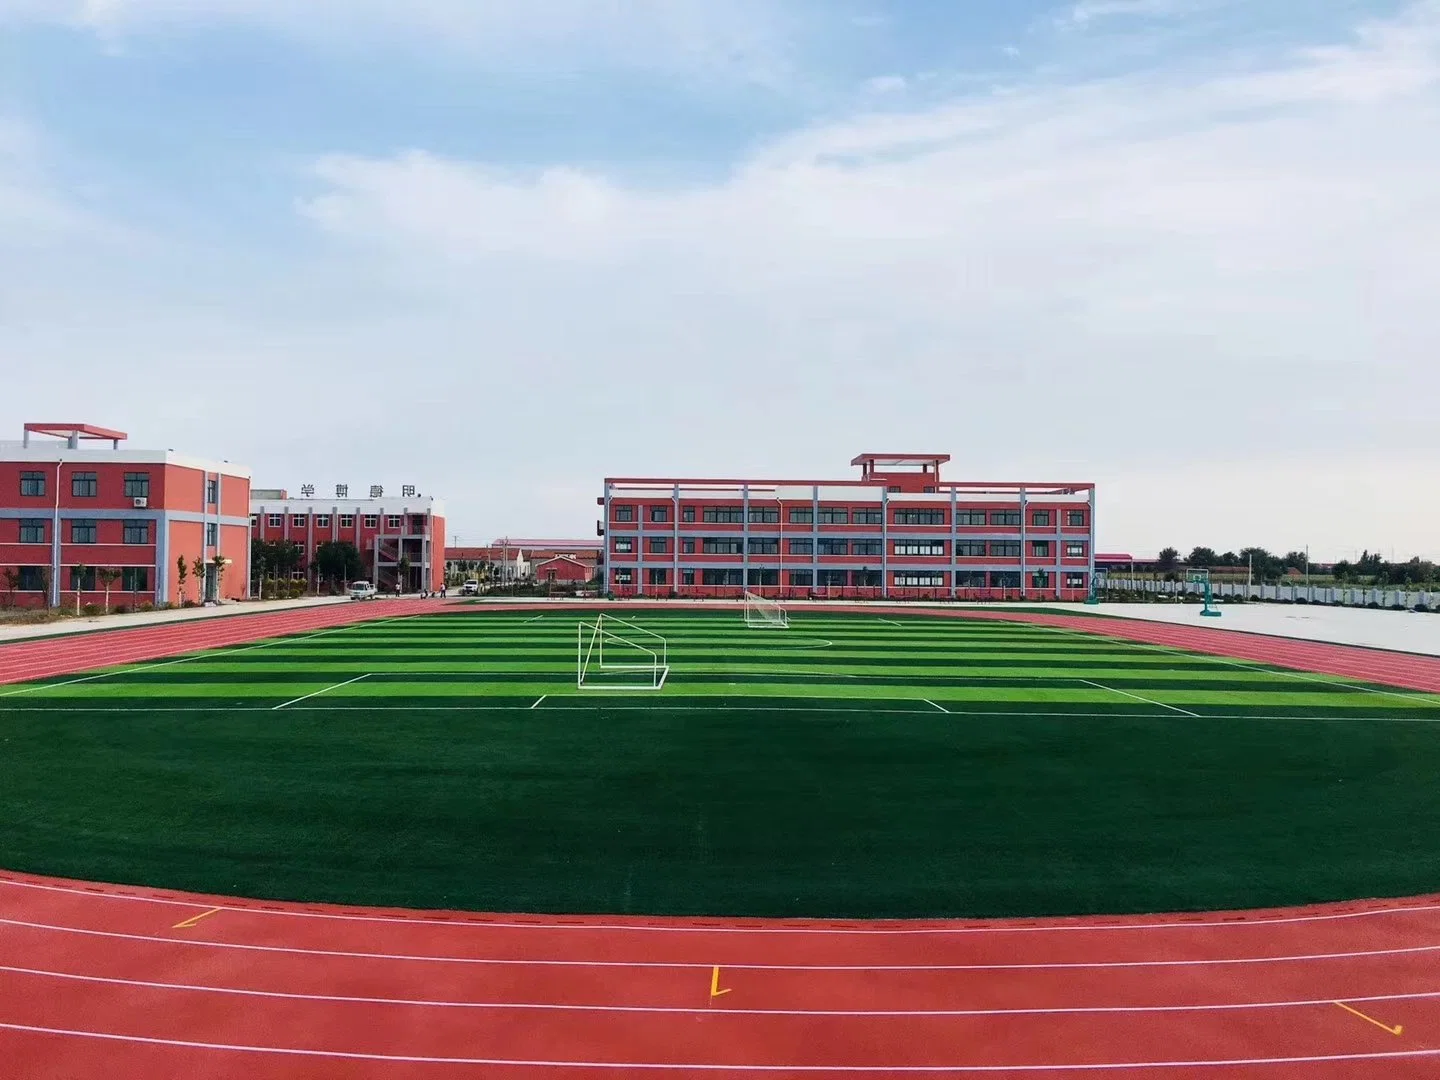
column 848, row 766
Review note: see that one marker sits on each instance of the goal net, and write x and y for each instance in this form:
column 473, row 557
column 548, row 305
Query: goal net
column 615, row 654
column 763, row 614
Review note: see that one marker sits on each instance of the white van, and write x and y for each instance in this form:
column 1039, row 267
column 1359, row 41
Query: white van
column 470, row 588
column 362, row 590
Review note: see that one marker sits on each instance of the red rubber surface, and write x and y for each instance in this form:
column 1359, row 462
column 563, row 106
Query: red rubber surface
column 100, row 981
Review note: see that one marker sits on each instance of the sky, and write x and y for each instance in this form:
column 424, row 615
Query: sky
column 501, row 249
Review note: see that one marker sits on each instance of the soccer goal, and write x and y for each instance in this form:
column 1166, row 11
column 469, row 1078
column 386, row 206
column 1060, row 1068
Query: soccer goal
column 615, row 654
column 763, row 614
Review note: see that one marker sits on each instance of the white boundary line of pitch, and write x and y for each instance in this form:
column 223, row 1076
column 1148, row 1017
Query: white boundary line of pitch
column 317, row 693
column 1137, row 697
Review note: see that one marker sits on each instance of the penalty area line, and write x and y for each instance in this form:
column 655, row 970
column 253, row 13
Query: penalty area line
column 1137, row 697
column 317, row 693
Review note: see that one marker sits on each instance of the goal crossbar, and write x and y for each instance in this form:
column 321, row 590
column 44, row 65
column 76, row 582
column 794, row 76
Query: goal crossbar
column 649, row 659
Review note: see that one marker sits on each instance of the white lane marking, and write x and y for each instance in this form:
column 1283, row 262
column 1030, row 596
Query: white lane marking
column 1137, row 697
column 317, row 693
column 541, row 698
column 940, row 707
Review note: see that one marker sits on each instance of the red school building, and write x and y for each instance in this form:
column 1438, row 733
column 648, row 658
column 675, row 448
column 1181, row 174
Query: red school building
column 897, row 532
column 73, row 509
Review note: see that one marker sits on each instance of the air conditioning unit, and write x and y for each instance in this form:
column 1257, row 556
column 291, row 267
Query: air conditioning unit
column 141, row 502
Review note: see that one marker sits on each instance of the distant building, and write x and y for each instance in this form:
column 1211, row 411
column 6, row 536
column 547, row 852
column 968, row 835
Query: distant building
column 401, row 538
column 517, row 559
column 563, row 569
column 68, row 500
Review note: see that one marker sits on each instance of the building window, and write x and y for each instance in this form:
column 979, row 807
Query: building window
column 764, row 515
column 834, row 515
column 659, row 545
column 1075, row 519
column 660, row 514
column 1074, row 581
column 802, row 547
column 32, row 530
column 82, row 582
column 723, row 515
column 868, row 517
column 1040, row 549
column 322, row 521
column 687, row 577
column 1005, row 549
column 1040, row 518
column 372, row 521
column 721, row 577
column 33, row 579
column 137, row 532
column 297, row 521
column 762, row 576
column 394, row 521
column 82, row 532
column 212, row 534
column 1074, row 551
column 32, row 483
column 137, row 485
column 919, row 581
column 865, row 579
column 277, row 521
column 833, row 579
column 800, row 515
column 624, row 545
column 624, row 513
column 969, row 549
column 135, row 579
column 687, row 513
column 834, row 547
column 1004, row 517
column 1040, row 580
column 969, row 517
column 764, row 545
column 719, row 545
column 347, row 521
column 212, row 492
column 84, row 485
column 870, row 547
column 658, row 577
column 254, row 521
column 970, row 579
column 1008, row 579
column 929, row 548
column 802, row 578
column 687, row 546
column 919, row 517
column 624, row 575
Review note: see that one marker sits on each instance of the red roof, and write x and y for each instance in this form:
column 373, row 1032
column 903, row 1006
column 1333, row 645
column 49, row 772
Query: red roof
column 899, row 459
column 83, row 431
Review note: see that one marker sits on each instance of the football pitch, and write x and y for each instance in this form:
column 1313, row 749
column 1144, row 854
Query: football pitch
column 849, row 766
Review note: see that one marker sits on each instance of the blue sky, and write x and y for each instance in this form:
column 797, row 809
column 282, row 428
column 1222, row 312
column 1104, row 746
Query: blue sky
column 501, row 249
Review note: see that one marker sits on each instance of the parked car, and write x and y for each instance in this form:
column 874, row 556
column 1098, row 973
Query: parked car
column 362, row 590
column 470, row 588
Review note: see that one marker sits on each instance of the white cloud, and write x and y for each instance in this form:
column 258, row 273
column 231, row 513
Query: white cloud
column 1088, row 12
column 1139, row 274
column 886, row 84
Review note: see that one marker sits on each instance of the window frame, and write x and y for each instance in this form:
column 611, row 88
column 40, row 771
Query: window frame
column 833, row 547
column 1007, row 518
column 867, row 516
column 1001, row 549
column 764, row 545
column 29, row 527
column 85, row 582
column 84, row 485
column 967, row 517
column 1040, row 519
column 657, row 545
column 212, row 534
column 624, row 545
column 919, row 517
column 722, row 545
column 322, row 521
column 833, row 515
column 275, row 521
column 36, row 480
column 137, row 485
column 966, row 549
column 867, row 549
column 394, row 521
column 723, row 515
column 89, row 525
column 910, row 579
column 1076, row 519
column 1075, row 549
column 347, row 521
column 804, row 545
column 622, row 512
column 764, row 515
column 800, row 515
column 933, row 549
column 299, row 521
column 1040, row 549
column 659, row 515
column 372, row 521
column 134, row 527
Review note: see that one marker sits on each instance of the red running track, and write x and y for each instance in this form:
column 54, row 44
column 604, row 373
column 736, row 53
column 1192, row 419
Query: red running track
column 103, row 981
column 40, row 658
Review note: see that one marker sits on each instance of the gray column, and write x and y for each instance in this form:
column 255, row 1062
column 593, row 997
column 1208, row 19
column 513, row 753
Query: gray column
column 1024, row 509
column 954, row 540
column 885, row 543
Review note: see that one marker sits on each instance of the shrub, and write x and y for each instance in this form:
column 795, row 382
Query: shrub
column 122, row 609
column 147, row 606
column 91, row 609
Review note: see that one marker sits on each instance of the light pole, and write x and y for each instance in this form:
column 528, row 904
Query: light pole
column 55, row 539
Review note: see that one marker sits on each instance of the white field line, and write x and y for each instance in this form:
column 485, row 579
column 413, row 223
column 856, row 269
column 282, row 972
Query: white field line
column 892, row 622
column 541, row 698
column 940, row 707
column 430, row 1003
column 536, row 618
column 317, row 693
column 859, row 929
column 676, row 965
column 658, row 1066
column 1178, row 653
column 206, row 654
column 1137, row 697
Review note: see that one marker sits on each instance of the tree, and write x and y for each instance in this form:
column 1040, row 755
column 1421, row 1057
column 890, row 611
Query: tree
column 1202, row 558
column 402, row 572
column 43, row 577
column 1295, row 560
column 338, row 561
column 182, row 573
column 12, row 582
column 1343, row 571
column 108, row 575
column 220, row 562
column 197, row 567
column 77, row 578
column 1229, row 559
column 1168, row 560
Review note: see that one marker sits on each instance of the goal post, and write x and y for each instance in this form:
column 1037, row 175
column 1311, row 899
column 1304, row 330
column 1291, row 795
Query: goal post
column 615, row 654
column 764, row 614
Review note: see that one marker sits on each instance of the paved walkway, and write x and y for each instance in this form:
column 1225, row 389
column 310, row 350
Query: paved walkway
column 21, row 631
